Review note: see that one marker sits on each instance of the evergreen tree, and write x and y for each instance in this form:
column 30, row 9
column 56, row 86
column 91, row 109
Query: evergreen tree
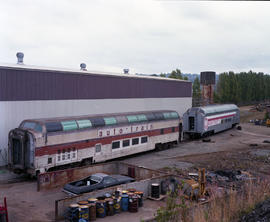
column 196, row 92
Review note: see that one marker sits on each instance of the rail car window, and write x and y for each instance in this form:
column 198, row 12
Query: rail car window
column 167, row 115
column 110, row 120
column 132, row 119
column 125, row 143
column 38, row 127
column 49, row 160
column 59, row 155
column 141, row 118
column 116, row 145
column 84, row 123
column 29, row 125
column 121, row 119
column 68, row 154
column 144, row 139
column 32, row 125
column 174, row 115
column 135, row 141
column 150, row 116
column 53, row 127
column 69, row 125
column 159, row 116
column 98, row 148
column 96, row 122
column 173, row 129
column 162, row 131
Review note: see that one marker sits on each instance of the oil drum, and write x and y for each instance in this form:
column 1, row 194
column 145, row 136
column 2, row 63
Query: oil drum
column 101, row 208
column 92, row 211
column 84, row 213
column 140, row 198
column 109, row 207
column 155, row 190
column 83, row 202
column 117, row 205
column 73, row 213
column 133, row 203
column 131, row 190
column 124, row 202
column 92, row 200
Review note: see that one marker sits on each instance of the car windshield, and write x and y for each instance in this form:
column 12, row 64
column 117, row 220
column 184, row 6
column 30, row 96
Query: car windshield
column 108, row 180
column 96, row 178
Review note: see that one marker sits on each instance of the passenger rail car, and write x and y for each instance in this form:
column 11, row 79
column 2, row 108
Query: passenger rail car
column 207, row 120
column 39, row 145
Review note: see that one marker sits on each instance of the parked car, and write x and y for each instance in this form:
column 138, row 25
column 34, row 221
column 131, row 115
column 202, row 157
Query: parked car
column 95, row 182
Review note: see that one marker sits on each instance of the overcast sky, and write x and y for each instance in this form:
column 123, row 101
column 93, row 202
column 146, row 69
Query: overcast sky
column 145, row 36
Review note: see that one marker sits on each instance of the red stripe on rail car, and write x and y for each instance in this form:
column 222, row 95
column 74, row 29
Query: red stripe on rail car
column 49, row 150
column 221, row 117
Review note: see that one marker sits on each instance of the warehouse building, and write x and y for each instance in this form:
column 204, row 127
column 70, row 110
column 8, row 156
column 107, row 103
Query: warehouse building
column 28, row 92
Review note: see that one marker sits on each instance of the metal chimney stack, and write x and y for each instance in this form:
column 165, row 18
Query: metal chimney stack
column 20, row 56
column 83, row 67
column 126, row 71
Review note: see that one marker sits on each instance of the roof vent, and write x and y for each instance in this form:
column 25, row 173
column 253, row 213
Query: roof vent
column 20, row 56
column 83, row 66
column 126, row 71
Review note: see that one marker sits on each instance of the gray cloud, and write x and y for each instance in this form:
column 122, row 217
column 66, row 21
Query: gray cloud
column 146, row 36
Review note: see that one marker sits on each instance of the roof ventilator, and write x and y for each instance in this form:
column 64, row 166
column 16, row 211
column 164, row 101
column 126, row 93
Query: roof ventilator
column 83, row 67
column 20, row 56
column 126, row 71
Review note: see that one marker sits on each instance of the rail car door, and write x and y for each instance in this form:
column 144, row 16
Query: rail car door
column 17, row 148
column 98, row 151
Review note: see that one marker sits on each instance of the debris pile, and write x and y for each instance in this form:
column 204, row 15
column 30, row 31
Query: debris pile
column 260, row 213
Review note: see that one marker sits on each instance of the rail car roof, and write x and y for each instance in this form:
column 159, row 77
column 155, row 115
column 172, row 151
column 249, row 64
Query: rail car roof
column 91, row 121
column 213, row 109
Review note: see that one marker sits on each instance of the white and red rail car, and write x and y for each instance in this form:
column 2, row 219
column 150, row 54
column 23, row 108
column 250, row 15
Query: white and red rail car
column 39, row 145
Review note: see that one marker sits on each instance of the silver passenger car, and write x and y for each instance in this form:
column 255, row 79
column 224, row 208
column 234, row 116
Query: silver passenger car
column 207, row 120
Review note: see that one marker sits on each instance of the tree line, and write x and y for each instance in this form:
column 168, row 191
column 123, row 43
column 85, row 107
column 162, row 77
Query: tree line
column 238, row 88
column 242, row 88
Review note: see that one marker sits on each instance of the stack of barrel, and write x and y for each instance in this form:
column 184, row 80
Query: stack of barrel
column 107, row 205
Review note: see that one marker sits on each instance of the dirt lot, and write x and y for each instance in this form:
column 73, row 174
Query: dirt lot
column 232, row 149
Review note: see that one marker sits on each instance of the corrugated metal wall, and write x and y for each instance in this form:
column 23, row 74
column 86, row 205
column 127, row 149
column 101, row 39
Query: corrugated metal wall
column 22, row 85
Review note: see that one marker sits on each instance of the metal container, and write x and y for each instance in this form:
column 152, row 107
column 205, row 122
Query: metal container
column 84, row 212
column 124, row 202
column 117, row 205
column 101, row 208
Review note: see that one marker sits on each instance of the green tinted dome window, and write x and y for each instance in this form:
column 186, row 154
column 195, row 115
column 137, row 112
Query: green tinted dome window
column 69, row 125
column 132, row 119
column 84, row 123
column 171, row 115
column 141, row 118
column 174, row 115
column 167, row 115
column 110, row 120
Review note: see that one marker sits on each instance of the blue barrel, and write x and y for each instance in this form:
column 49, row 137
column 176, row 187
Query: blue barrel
column 84, row 213
column 124, row 202
column 101, row 208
